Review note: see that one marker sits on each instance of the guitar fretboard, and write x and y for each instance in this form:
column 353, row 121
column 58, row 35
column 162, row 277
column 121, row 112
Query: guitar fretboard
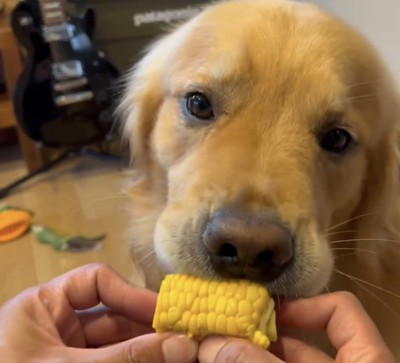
column 53, row 12
column 56, row 29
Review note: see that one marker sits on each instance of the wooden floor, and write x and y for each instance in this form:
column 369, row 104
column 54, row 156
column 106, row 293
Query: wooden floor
column 80, row 197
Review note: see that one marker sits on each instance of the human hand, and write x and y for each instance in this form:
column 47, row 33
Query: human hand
column 51, row 323
column 349, row 329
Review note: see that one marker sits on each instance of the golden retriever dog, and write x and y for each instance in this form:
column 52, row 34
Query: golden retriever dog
column 264, row 136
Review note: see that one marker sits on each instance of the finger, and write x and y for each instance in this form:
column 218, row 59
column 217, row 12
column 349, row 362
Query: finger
column 222, row 350
column 151, row 348
column 292, row 350
column 104, row 326
column 89, row 285
column 340, row 314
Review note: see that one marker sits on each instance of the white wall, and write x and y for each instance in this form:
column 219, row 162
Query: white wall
column 379, row 20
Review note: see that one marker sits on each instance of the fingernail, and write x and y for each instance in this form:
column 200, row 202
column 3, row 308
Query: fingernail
column 210, row 348
column 179, row 349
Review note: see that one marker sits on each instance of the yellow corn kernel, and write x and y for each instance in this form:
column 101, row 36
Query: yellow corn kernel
column 212, row 287
column 200, row 307
column 173, row 297
column 211, row 321
column 203, row 304
column 221, row 324
column 185, row 319
column 193, row 331
column 195, row 308
column 212, row 302
column 240, row 292
column 231, row 307
column 190, row 296
column 173, row 315
column 221, row 305
column 202, row 323
column 245, row 307
column 230, row 290
column 231, row 326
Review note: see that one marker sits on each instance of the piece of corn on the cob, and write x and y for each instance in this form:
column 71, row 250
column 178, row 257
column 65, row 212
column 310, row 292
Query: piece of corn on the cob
column 200, row 307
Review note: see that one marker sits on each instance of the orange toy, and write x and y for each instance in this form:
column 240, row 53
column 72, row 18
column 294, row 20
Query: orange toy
column 13, row 224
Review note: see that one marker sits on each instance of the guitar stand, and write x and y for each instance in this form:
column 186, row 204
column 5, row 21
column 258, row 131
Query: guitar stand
column 66, row 155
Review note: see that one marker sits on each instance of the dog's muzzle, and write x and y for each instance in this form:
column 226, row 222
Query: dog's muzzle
column 248, row 245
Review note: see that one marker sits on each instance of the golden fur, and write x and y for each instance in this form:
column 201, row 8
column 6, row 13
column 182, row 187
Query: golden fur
column 279, row 73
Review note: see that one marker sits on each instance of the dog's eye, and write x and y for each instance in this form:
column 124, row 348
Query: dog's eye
column 336, row 140
column 198, row 106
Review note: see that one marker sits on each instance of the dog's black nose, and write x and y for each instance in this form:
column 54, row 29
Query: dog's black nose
column 241, row 245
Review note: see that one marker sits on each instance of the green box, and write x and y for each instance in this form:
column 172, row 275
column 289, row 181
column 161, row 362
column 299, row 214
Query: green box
column 124, row 28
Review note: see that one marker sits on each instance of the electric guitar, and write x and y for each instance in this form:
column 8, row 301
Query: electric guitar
column 64, row 96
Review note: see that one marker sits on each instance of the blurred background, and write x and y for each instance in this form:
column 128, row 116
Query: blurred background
column 59, row 82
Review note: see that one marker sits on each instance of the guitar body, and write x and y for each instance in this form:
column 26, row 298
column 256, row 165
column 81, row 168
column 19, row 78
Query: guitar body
column 65, row 101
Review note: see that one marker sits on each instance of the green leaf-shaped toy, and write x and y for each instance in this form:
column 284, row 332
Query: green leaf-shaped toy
column 62, row 242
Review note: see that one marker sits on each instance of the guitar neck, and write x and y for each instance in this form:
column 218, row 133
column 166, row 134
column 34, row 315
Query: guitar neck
column 56, row 29
column 53, row 12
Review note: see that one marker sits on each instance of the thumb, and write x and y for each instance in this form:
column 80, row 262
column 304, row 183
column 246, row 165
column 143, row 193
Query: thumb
column 220, row 350
column 149, row 348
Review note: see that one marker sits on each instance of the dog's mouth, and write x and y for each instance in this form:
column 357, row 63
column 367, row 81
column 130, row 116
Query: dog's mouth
column 232, row 244
column 261, row 271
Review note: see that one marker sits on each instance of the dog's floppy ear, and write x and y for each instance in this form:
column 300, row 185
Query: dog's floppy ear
column 140, row 103
column 139, row 111
column 144, row 93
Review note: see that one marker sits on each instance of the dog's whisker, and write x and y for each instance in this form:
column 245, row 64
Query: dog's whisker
column 353, row 249
column 152, row 263
column 358, row 283
column 349, row 220
column 297, row 293
column 110, row 197
column 368, row 283
column 339, row 232
column 365, row 240
column 146, row 256
column 107, row 198
column 149, row 264
column 345, row 255
column 96, row 201
column 361, row 97
column 365, row 83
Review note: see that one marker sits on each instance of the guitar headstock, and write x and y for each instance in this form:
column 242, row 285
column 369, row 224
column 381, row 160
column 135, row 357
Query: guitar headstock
column 2, row 8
